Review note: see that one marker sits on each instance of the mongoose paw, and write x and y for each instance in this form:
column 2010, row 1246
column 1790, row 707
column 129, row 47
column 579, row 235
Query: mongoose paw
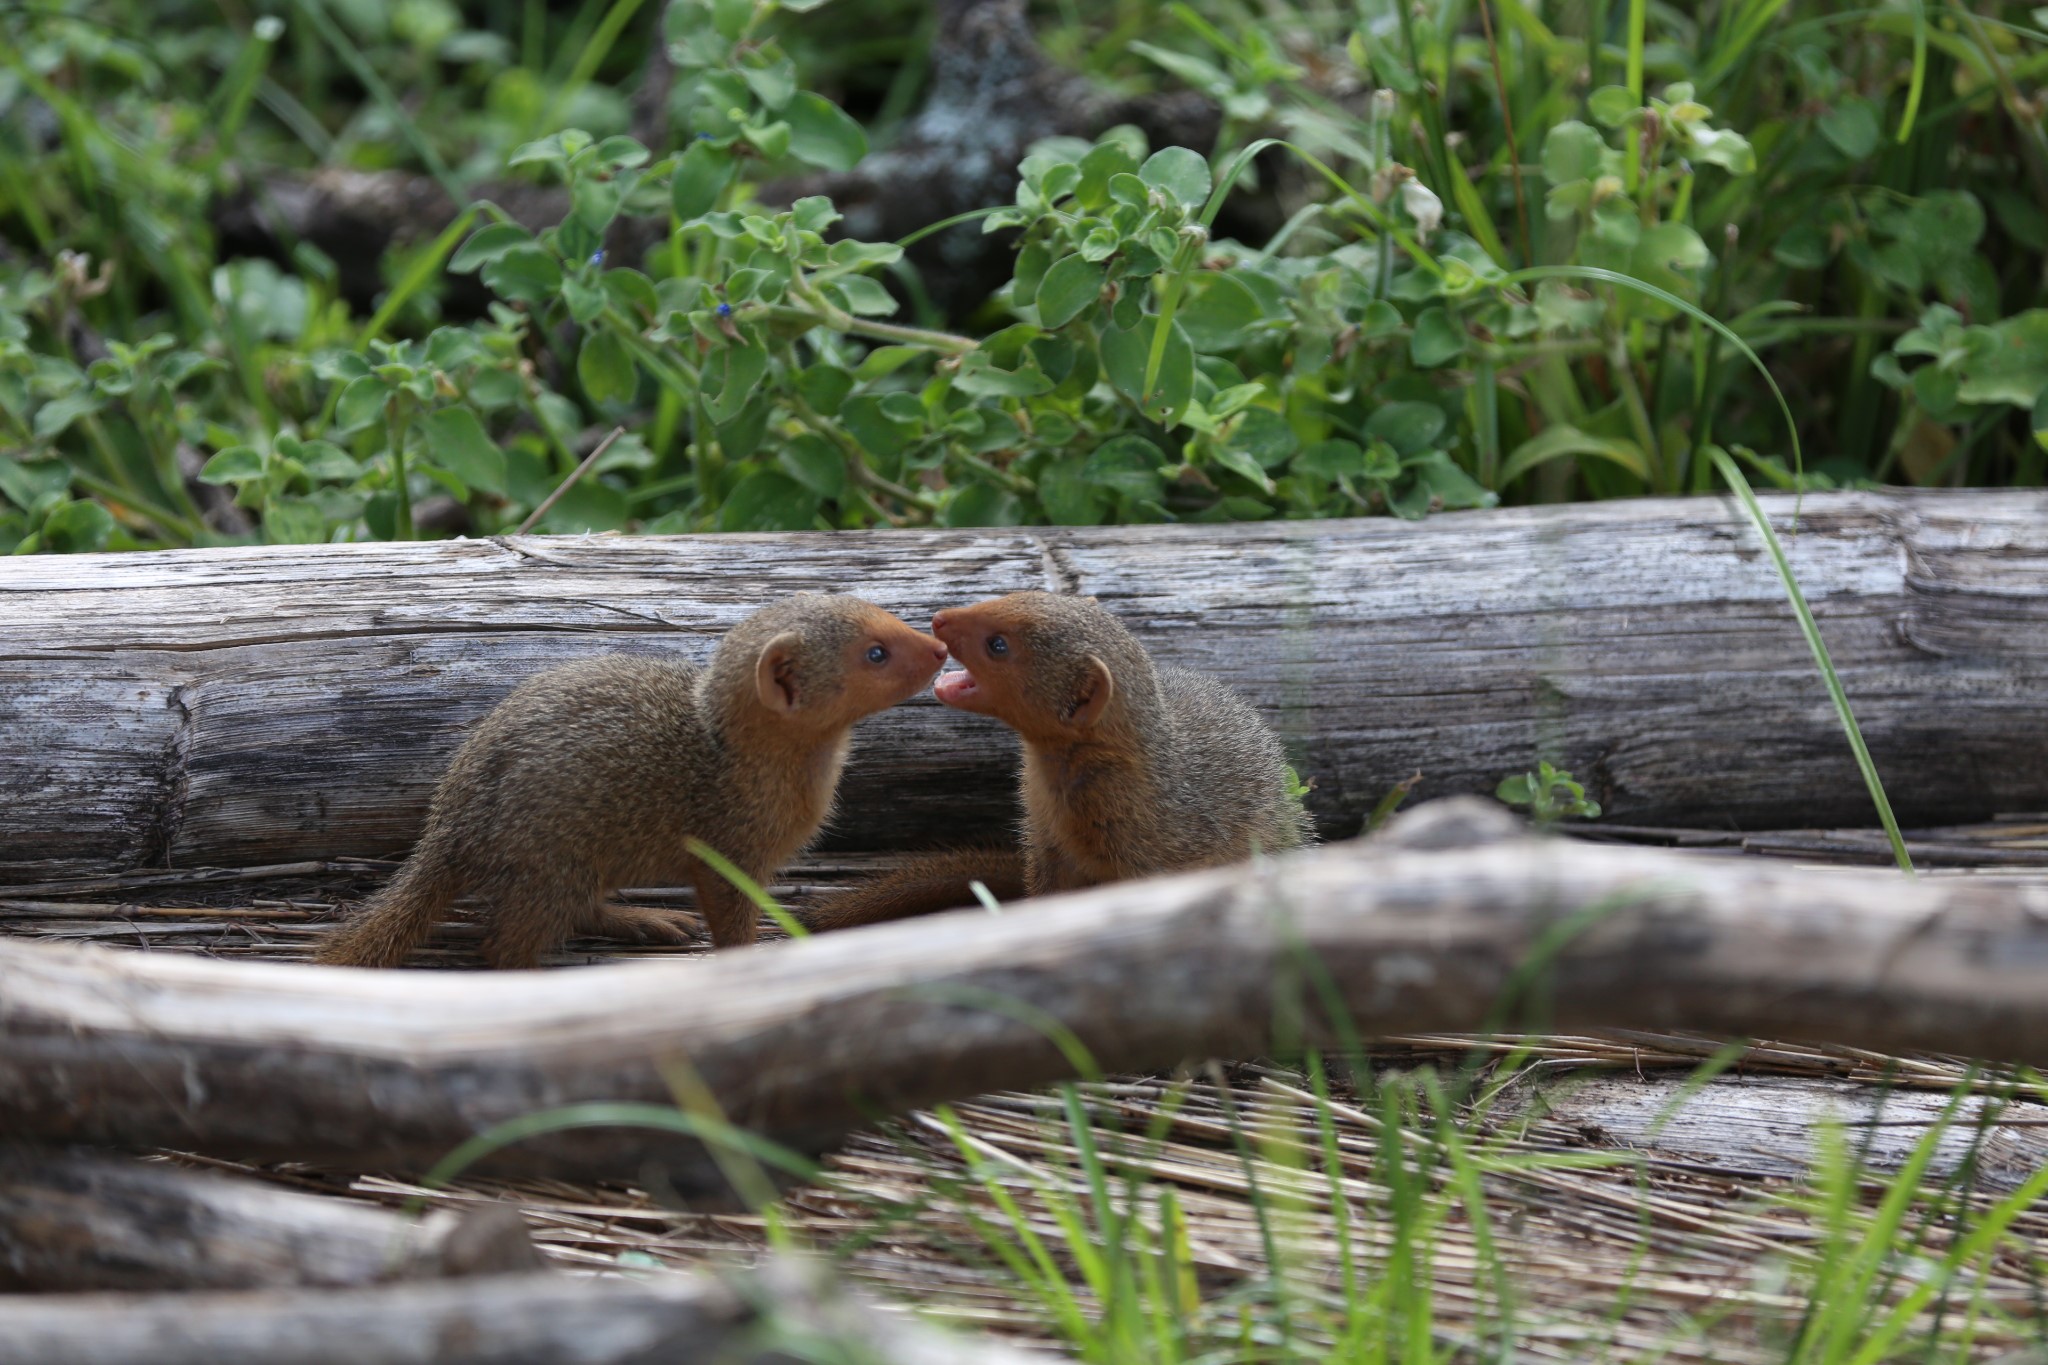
column 636, row 925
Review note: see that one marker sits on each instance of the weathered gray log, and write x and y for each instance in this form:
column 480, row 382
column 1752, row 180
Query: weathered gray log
column 803, row 1042
column 741, row 1319
column 265, row 705
column 71, row 1221
column 1747, row 1127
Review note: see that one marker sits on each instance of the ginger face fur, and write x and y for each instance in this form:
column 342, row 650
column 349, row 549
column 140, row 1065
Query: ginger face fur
column 592, row 776
column 1130, row 768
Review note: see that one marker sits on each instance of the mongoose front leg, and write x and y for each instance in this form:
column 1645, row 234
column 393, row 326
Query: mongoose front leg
column 729, row 915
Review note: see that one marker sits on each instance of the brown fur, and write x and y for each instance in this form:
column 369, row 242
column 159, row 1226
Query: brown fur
column 923, row 885
column 1130, row 768
column 591, row 776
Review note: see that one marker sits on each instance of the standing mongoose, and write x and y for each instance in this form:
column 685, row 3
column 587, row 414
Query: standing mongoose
column 591, row 776
column 1130, row 768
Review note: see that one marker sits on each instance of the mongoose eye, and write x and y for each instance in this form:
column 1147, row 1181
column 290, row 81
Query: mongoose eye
column 998, row 646
column 877, row 654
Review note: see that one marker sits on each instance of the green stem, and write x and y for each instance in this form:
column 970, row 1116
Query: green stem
column 822, row 311
column 395, row 425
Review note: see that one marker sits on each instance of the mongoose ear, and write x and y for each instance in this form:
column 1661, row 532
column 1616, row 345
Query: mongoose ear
column 1091, row 698
column 775, row 672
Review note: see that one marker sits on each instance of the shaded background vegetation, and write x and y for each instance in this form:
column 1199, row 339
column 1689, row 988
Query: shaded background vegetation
column 347, row 269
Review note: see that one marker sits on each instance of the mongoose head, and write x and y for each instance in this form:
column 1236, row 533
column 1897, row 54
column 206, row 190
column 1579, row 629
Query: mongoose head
column 1051, row 667
column 821, row 661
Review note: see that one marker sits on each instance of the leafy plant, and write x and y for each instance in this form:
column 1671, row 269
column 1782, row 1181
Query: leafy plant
column 1550, row 794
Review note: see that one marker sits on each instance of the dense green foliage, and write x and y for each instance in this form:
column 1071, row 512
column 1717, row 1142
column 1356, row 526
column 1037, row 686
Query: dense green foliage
column 1500, row 247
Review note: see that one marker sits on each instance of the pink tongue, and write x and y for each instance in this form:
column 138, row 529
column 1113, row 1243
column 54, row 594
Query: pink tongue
column 951, row 687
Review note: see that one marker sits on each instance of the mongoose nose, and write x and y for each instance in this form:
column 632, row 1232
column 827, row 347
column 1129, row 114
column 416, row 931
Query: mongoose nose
column 938, row 622
column 938, row 651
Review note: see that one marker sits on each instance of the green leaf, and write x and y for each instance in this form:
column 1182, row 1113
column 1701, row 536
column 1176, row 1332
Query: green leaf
column 456, row 441
column 326, row 461
column 821, row 133
column 1333, row 459
column 236, row 464
column 981, row 504
column 1070, row 287
column 730, row 376
column 884, row 360
column 1437, row 339
column 1852, row 127
column 1448, row 486
column 1067, row 496
column 870, row 424
column 979, row 377
column 361, row 403
column 525, row 273
column 864, row 297
column 1181, row 172
column 1124, row 355
column 1218, row 312
column 1128, row 465
column 2007, row 363
column 56, row 416
column 815, row 463
column 1612, row 105
column 605, row 367
column 768, row 500
column 34, row 486
column 1104, row 160
column 78, row 527
column 1410, row 428
column 813, row 213
column 1264, row 436
column 1572, row 152
column 293, row 521
column 772, row 84
column 586, row 301
column 1564, row 439
column 702, row 173
column 488, row 244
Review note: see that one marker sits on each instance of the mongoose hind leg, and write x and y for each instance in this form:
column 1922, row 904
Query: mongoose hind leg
column 634, row 924
column 533, row 914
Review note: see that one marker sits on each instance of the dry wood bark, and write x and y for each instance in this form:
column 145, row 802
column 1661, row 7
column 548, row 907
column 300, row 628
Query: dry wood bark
column 1748, row 1127
column 267, row 705
column 804, row 1042
column 741, row 1319
column 72, row 1221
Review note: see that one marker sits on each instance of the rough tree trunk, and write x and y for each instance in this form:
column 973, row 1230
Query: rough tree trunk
column 219, row 707
column 803, row 1042
column 79, row 1221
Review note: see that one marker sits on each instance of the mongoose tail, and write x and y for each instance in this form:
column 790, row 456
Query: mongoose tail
column 925, row 885
column 399, row 916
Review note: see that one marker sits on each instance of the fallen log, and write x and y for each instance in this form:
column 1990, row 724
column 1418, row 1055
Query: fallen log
column 742, row 1319
column 223, row 707
column 74, row 1221
column 803, row 1042
column 1764, row 1127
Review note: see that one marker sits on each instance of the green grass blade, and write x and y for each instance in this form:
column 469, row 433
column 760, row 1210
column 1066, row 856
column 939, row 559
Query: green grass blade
column 1811, row 630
